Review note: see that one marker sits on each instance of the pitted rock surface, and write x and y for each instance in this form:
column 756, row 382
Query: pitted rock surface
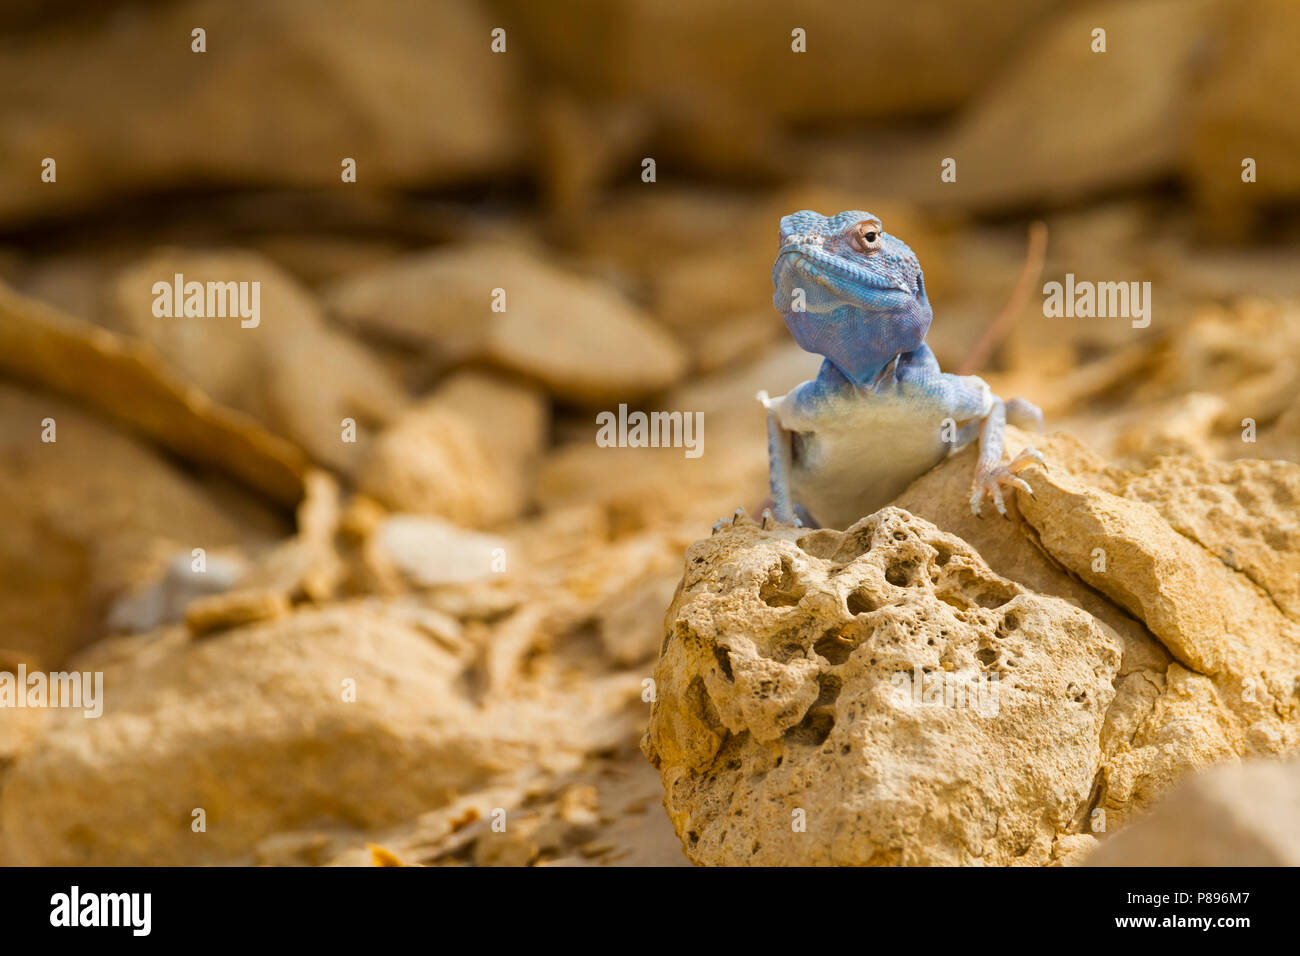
column 873, row 696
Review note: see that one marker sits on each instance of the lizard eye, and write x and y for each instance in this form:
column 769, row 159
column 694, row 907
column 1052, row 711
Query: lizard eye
column 865, row 237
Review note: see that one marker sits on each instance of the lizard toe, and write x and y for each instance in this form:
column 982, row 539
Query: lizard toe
column 991, row 483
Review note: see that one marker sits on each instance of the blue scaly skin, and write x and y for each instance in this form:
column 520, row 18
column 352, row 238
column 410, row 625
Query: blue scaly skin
column 880, row 412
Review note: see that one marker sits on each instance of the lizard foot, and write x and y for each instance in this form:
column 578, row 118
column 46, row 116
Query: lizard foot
column 992, row 480
column 737, row 516
column 771, row 521
column 766, row 520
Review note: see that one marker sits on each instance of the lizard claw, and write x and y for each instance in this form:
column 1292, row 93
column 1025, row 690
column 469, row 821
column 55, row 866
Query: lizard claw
column 736, row 517
column 741, row 516
column 771, row 521
column 991, row 481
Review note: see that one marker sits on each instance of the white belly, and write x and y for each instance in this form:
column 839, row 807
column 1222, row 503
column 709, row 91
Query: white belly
column 863, row 458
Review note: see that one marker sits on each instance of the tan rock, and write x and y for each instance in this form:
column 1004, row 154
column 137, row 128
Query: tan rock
column 1244, row 815
column 467, row 452
column 228, row 589
column 20, row 726
column 786, row 729
column 427, row 551
column 306, row 566
column 1138, row 92
column 1183, row 426
column 1246, row 513
column 174, row 121
column 1173, row 561
column 1072, row 849
column 666, row 57
column 96, row 515
column 1246, row 113
column 1131, row 548
column 1232, row 689
column 1192, row 602
column 573, row 336
column 163, row 598
column 219, row 612
column 512, row 421
column 130, row 384
column 1011, row 549
column 301, row 848
column 259, row 728
column 432, row 462
column 729, row 342
column 631, row 624
column 260, row 369
column 642, row 487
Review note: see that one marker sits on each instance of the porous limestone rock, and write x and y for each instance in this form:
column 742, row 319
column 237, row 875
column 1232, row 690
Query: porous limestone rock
column 1231, row 689
column 1189, row 565
column 873, row 696
column 1193, row 564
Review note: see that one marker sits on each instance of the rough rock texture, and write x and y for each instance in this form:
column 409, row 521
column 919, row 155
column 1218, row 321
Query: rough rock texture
column 1187, row 566
column 791, row 681
column 1246, row 513
column 1247, row 815
column 1190, row 562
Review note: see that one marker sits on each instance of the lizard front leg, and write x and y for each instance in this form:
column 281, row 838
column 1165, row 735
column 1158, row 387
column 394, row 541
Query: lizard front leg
column 779, row 456
column 990, row 474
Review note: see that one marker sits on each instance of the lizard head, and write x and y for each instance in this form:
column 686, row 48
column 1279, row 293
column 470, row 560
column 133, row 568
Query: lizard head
column 849, row 291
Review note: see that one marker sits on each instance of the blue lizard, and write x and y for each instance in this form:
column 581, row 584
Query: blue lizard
column 880, row 412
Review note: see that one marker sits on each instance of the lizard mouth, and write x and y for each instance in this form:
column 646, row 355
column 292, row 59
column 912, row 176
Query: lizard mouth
column 847, row 278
